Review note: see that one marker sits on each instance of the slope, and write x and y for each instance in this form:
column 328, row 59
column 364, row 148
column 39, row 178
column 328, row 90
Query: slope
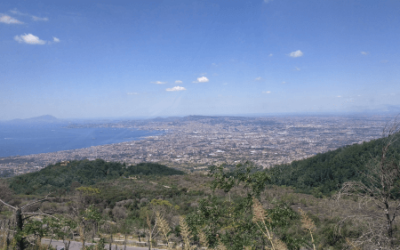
column 325, row 173
column 66, row 176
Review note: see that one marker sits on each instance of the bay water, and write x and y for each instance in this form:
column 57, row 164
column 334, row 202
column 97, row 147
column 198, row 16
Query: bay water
column 26, row 139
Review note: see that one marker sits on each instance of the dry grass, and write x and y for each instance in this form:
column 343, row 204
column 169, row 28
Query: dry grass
column 259, row 215
column 220, row 246
column 307, row 224
column 203, row 239
column 185, row 232
column 3, row 240
column 352, row 244
column 164, row 228
column 362, row 217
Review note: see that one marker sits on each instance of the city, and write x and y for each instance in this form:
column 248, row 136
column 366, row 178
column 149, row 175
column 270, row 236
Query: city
column 194, row 143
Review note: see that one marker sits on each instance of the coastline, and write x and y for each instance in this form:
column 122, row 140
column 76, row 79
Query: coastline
column 21, row 164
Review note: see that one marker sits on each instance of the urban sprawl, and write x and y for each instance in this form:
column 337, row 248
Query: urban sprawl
column 194, row 143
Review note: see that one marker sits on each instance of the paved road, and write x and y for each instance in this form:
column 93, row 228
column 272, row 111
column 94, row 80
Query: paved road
column 78, row 246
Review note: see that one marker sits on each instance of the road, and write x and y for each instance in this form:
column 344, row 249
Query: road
column 78, row 246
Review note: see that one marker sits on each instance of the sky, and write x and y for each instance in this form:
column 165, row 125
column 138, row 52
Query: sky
column 135, row 58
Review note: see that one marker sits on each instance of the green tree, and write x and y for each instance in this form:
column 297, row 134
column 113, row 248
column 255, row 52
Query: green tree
column 230, row 219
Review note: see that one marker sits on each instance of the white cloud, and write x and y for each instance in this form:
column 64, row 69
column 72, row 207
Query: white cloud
column 29, row 39
column 271, row 54
column 339, row 96
column 364, row 53
column 35, row 18
column 267, row 92
column 158, row 82
column 296, row 53
column 258, row 79
column 176, row 88
column 283, row 82
column 201, row 79
column 178, row 82
column 132, row 93
column 56, row 40
column 297, row 69
column 9, row 20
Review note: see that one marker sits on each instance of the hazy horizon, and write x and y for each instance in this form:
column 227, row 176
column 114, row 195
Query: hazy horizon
column 355, row 114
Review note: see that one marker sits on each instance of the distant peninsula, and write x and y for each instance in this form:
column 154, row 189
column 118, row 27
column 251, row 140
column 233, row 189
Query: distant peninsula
column 37, row 119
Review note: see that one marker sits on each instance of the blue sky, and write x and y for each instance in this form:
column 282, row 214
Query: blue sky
column 94, row 59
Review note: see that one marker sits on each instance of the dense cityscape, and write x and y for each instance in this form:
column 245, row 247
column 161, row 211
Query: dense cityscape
column 195, row 142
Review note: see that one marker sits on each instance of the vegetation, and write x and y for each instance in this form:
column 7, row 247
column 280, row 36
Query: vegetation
column 380, row 186
column 294, row 206
column 66, row 176
column 213, row 211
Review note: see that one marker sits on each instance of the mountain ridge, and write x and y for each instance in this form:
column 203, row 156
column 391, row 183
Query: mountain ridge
column 37, row 119
column 324, row 174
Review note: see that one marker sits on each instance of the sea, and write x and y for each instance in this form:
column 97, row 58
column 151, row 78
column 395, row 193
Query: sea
column 27, row 139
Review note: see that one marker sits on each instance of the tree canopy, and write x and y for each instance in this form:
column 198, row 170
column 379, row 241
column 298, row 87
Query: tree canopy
column 61, row 176
column 325, row 173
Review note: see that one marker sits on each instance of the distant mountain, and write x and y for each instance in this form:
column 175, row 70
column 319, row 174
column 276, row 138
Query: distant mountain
column 38, row 119
column 43, row 118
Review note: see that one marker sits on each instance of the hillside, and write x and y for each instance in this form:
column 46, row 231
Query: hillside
column 65, row 176
column 325, row 173
column 220, row 204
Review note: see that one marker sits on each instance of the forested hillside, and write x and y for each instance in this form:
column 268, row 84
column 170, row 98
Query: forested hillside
column 63, row 177
column 235, row 209
column 325, row 173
